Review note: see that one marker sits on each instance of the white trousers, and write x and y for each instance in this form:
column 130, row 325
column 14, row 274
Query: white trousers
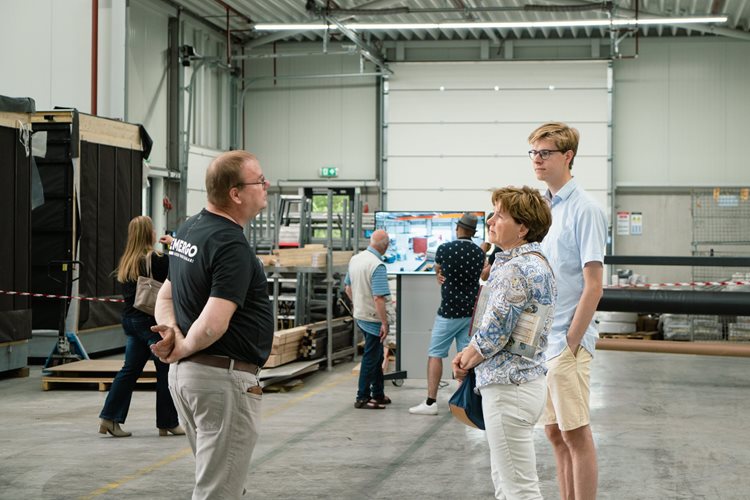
column 221, row 420
column 510, row 413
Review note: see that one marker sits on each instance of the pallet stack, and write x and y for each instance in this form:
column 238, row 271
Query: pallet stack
column 315, row 340
column 312, row 255
column 285, row 347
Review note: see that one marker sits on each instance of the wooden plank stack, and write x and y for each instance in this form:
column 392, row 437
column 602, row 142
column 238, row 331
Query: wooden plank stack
column 312, row 255
column 315, row 339
column 286, row 346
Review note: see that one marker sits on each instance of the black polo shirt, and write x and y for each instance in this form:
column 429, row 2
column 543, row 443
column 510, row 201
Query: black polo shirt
column 461, row 262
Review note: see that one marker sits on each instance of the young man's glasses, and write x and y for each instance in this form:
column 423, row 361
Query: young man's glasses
column 262, row 181
column 543, row 153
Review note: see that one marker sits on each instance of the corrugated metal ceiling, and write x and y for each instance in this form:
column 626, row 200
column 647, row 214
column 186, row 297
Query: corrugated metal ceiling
column 241, row 15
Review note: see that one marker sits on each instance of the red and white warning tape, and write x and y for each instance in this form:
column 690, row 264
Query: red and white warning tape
column 690, row 283
column 53, row 296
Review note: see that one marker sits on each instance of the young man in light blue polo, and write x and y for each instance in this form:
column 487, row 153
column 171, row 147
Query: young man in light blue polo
column 458, row 265
column 574, row 247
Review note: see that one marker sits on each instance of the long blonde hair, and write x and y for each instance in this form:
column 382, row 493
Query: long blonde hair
column 138, row 248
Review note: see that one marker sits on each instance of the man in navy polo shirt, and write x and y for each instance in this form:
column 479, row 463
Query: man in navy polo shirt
column 458, row 265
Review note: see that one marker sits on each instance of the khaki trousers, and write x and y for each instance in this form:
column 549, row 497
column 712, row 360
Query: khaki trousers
column 221, row 420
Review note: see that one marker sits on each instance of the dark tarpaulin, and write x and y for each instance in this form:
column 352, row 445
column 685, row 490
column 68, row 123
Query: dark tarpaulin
column 52, row 224
column 15, row 325
column 15, row 228
column 17, row 104
column 110, row 197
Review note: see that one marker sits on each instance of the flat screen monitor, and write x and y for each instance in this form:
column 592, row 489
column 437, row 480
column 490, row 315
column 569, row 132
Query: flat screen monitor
column 416, row 236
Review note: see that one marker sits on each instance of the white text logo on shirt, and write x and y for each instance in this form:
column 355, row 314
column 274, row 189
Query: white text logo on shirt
column 184, row 250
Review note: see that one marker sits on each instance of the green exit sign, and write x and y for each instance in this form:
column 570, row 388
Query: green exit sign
column 329, row 171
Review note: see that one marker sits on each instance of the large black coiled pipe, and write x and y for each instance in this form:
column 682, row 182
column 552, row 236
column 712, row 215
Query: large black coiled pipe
column 675, row 301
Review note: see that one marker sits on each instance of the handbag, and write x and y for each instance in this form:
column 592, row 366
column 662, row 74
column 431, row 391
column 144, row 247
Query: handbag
column 146, row 290
column 466, row 405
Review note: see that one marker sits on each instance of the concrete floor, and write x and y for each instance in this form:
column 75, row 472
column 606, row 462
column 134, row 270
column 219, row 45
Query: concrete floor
column 666, row 426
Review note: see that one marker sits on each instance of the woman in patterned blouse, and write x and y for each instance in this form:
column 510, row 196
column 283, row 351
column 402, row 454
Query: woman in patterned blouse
column 513, row 317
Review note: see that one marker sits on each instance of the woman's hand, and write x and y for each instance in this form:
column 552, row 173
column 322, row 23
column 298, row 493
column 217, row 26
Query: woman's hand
column 458, row 372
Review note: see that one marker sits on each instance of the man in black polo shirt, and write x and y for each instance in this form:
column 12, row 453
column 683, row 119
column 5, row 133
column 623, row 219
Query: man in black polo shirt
column 216, row 294
column 458, row 265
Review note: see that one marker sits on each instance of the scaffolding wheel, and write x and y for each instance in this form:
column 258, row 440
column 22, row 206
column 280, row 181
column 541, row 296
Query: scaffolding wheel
column 398, row 382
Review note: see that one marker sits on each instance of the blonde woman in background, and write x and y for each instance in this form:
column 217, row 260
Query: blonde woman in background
column 139, row 250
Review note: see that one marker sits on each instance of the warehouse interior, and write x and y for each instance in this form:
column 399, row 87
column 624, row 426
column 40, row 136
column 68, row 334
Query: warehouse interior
column 362, row 112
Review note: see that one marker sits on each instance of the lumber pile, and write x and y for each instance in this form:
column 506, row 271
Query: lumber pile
column 315, row 340
column 312, row 255
column 285, row 347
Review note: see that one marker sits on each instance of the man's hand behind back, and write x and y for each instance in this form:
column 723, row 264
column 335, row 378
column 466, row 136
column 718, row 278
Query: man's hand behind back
column 164, row 349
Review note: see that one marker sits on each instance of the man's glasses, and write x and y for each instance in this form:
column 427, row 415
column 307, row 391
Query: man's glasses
column 262, row 181
column 543, row 153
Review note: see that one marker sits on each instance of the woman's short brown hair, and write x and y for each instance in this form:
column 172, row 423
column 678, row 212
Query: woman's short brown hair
column 528, row 207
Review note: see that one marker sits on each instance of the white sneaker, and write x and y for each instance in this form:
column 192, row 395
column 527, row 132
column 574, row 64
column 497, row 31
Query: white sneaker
column 424, row 409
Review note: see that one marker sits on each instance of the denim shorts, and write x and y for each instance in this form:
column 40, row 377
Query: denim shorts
column 444, row 330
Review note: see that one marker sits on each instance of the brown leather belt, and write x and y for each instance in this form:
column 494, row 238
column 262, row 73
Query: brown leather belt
column 223, row 362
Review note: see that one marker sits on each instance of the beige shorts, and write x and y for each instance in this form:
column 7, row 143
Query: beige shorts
column 568, row 389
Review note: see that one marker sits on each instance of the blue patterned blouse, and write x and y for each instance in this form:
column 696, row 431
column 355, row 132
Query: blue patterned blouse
column 519, row 282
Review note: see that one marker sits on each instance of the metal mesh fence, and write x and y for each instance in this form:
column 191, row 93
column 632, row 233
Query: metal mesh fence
column 721, row 227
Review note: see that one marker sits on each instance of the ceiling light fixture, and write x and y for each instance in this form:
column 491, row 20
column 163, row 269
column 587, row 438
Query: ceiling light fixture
column 581, row 23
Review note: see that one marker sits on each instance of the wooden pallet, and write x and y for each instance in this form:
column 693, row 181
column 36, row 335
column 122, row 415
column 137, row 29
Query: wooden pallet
column 102, row 383
column 15, row 373
column 92, row 372
column 634, row 335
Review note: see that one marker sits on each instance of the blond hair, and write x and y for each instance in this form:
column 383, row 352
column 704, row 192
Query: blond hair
column 139, row 247
column 224, row 173
column 565, row 138
column 526, row 206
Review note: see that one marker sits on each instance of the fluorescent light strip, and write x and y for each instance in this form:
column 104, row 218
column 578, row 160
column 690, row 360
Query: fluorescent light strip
column 582, row 23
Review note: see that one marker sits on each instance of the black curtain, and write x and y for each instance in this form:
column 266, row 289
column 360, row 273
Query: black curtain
column 15, row 228
column 111, row 189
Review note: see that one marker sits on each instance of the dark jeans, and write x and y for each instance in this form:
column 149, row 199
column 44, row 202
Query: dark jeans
column 371, row 371
column 137, row 352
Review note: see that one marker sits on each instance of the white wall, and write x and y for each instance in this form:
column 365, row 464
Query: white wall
column 198, row 161
column 447, row 149
column 667, row 230
column 147, row 72
column 46, row 52
column 111, row 67
column 211, row 113
column 147, row 79
column 680, row 120
column 680, row 113
column 296, row 126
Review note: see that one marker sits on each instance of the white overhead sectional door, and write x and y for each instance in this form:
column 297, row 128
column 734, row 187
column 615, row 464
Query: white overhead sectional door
column 455, row 131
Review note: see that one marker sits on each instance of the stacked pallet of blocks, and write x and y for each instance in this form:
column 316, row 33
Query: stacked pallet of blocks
column 309, row 341
column 285, row 347
column 310, row 256
column 315, row 340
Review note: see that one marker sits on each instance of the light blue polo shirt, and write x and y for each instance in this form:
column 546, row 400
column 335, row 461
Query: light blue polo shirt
column 578, row 235
column 378, row 287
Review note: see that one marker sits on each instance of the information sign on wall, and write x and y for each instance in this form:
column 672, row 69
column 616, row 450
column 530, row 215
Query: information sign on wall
column 623, row 223
column 636, row 223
